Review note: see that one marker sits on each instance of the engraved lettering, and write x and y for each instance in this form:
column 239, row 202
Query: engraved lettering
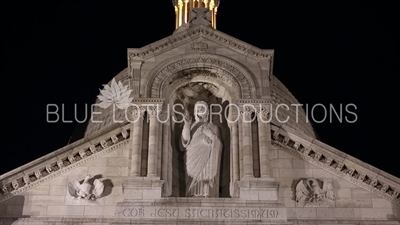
column 201, row 212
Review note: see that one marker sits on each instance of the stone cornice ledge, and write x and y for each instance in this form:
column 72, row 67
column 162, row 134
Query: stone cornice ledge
column 62, row 160
column 180, row 38
column 334, row 161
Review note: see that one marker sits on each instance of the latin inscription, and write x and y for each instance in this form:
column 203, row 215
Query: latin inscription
column 203, row 212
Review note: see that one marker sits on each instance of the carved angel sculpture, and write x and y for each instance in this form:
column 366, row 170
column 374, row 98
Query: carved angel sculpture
column 86, row 190
column 308, row 191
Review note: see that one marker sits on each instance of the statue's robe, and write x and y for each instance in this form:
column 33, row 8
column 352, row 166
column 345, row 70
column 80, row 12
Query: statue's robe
column 203, row 158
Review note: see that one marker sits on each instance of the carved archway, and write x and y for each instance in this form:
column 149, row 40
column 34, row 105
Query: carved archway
column 227, row 70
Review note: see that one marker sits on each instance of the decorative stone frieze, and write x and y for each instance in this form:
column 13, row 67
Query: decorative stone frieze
column 104, row 144
column 339, row 166
column 71, row 158
column 114, row 139
column 227, row 72
column 124, row 134
column 49, row 168
column 82, row 154
column 200, row 31
column 15, row 184
column 4, row 189
column 26, row 180
column 340, row 169
column 92, row 148
column 60, row 164
column 148, row 100
column 317, row 156
column 38, row 174
column 13, row 187
column 328, row 161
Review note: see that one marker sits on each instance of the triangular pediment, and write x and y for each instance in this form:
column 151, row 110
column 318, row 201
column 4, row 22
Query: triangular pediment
column 200, row 38
column 337, row 163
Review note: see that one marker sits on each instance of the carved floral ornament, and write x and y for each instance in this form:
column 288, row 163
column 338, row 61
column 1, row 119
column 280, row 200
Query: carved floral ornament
column 338, row 168
column 227, row 71
column 53, row 169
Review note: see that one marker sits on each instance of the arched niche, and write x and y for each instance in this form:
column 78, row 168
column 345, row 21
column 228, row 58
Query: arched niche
column 226, row 82
column 213, row 92
column 227, row 70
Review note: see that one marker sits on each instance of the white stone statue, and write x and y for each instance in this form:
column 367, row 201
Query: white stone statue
column 309, row 192
column 201, row 141
column 86, row 190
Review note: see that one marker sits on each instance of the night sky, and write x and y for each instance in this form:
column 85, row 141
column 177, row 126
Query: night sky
column 328, row 52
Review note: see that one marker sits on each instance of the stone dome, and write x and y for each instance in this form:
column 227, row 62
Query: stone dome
column 280, row 95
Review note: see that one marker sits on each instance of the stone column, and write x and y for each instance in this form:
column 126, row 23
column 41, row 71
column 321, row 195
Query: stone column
column 262, row 118
column 240, row 123
column 138, row 114
column 235, row 157
column 247, row 142
column 166, row 172
column 153, row 141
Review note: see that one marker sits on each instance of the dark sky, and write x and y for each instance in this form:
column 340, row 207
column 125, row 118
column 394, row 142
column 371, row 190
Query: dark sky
column 328, row 52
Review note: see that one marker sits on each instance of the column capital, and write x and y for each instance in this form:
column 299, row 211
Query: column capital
column 263, row 111
column 138, row 111
column 247, row 110
column 153, row 110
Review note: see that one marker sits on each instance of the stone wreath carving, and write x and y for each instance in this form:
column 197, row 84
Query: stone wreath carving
column 313, row 192
column 88, row 189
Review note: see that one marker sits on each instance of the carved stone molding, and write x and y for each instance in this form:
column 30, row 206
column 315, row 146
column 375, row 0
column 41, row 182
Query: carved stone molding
column 26, row 180
column 201, row 31
column 340, row 169
column 226, row 71
column 60, row 164
column 73, row 160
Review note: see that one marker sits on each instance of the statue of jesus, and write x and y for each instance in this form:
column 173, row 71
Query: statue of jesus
column 201, row 141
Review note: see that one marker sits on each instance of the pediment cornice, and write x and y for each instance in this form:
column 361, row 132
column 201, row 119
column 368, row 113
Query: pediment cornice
column 188, row 35
column 336, row 162
column 62, row 161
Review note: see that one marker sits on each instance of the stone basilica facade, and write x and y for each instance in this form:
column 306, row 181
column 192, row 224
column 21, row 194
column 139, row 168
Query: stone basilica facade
column 156, row 164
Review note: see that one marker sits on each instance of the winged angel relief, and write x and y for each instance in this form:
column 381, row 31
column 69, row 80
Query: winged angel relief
column 86, row 190
column 309, row 192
